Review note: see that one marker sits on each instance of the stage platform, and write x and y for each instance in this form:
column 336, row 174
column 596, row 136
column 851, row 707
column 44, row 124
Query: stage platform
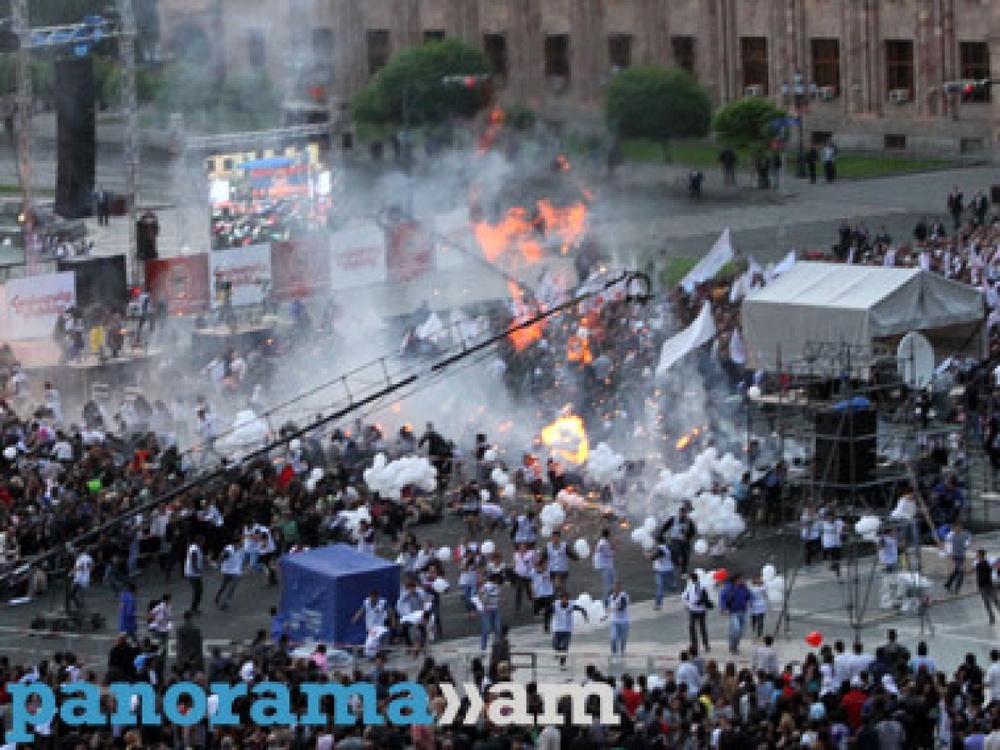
column 212, row 341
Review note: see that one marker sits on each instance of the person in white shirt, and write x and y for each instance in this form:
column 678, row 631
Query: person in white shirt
column 695, row 597
column 604, row 561
column 810, row 534
column 542, row 591
column 832, row 531
column 79, row 582
column 160, row 621
column 663, row 569
column 375, row 610
column 688, row 674
column 619, row 608
column 993, row 676
column 562, row 625
column 758, row 606
column 523, row 567
column 231, row 566
column 194, row 569
column 888, row 551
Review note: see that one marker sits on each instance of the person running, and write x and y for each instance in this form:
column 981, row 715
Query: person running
column 194, row 568
column 489, row 598
column 523, row 568
column 832, row 537
column 695, row 598
column 128, row 615
column 542, row 591
column 957, row 543
column 231, row 566
column 562, row 625
column 619, row 608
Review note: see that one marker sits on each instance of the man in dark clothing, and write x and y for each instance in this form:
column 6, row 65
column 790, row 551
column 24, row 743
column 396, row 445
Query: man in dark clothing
column 121, row 659
column 956, row 205
column 734, row 601
column 189, row 644
column 984, row 583
column 727, row 158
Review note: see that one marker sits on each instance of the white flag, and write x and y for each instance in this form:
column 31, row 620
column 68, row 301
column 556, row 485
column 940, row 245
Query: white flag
column 699, row 332
column 737, row 352
column 706, row 268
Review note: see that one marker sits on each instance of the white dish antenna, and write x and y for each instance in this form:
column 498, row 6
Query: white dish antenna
column 915, row 360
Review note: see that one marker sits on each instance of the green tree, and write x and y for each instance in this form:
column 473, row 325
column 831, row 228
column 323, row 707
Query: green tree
column 414, row 88
column 658, row 104
column 187, row 88
column 746, row 123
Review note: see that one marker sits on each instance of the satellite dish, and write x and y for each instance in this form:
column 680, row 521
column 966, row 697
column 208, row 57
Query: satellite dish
column 915, row 360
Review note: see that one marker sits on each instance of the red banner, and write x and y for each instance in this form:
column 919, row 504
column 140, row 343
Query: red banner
column 409, row 252
column 300, row 268
column 180, row 282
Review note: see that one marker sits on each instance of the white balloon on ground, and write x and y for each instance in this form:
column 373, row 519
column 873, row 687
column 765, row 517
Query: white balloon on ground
column 700, row 546
column 582, row 548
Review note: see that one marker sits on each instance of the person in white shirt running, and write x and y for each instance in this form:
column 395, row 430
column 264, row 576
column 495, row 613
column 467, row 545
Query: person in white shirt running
column 562, row 625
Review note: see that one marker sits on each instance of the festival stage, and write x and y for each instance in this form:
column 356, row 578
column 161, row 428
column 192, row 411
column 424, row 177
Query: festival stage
column 42, row 361
column 212, row 341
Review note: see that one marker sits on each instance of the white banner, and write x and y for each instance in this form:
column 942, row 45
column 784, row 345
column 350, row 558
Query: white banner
column 784, row 266
column 706, row 268
column 699, row 332
column 35, row 303
column 248, row 269
column 357, row 257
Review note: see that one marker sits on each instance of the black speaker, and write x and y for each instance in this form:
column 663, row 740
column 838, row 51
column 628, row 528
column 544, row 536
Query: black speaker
column 99, row 280
column 76, row 137
column 846, row 446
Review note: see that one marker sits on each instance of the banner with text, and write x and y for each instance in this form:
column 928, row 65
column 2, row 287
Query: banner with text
column 246, row 269
column 357, row 257
column 34, row 304
column 301, row 268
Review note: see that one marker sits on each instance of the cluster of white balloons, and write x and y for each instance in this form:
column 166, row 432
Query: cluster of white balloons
column 388, row 478
column 868, row 526
column 552, row 516
column 248, row 430
column 581, row 548
column 352, row 518
column 644, row 535
column 502, row 479
column 604, row 466
column 700, row 476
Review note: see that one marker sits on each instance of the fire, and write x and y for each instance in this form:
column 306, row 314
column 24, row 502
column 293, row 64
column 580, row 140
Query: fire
column 514, row 234
column 566, row 438
column 492, row 130
column 685, row 440
column 578, row 350
column 522, row 338
column 568, row 224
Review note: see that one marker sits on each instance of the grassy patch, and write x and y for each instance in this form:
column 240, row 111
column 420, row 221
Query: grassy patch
column 15, row 189
column 677, row 269
column 705, row 155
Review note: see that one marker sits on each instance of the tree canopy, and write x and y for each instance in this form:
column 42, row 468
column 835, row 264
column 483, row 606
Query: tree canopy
column 746, row 123
column 658, row 104
column 426, row 85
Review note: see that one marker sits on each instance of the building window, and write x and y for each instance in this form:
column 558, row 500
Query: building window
column 753, row 59
column 557, row 59
column 322, row 44
column 378, row 50
column 899, row 68
column 894, row 142
column 826, row 65
column 620, row 51
column 974, row 64
column 683, row 47
column 256, row 49
column 433, row 35
column 495, row 46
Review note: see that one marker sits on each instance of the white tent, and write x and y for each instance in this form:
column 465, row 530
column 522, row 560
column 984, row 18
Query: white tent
column 817, row 304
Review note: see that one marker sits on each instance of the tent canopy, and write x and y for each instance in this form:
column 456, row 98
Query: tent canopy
column 321, row 589
column 833, row 303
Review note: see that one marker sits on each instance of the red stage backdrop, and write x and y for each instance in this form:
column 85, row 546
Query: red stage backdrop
column 180, row 282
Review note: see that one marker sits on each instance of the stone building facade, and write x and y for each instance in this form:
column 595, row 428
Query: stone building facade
column 871, row 73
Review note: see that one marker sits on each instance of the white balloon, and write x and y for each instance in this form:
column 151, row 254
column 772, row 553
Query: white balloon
column 490, row 456
column 444, row 554
column 584, row 600
column 753, row 391
column 10, row 452
column 440, row 585
column 700, row 546
column 768, row 572
column 510, row 491
column 650, row 524
column 546, row 531
column 488, row 547
column 295, row 445
column 582, row 548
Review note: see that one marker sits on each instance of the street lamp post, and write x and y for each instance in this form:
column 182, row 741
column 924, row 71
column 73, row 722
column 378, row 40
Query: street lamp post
column 800, row 99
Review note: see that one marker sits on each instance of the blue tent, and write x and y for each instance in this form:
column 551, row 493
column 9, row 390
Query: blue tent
column 322, row 589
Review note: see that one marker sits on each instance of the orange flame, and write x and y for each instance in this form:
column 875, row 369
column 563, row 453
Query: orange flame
column 566, row 438
column 685, row 440
column 578, row 350
column 514, row 233
column 568, row 224
column 522, row 338
column 492, row 130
